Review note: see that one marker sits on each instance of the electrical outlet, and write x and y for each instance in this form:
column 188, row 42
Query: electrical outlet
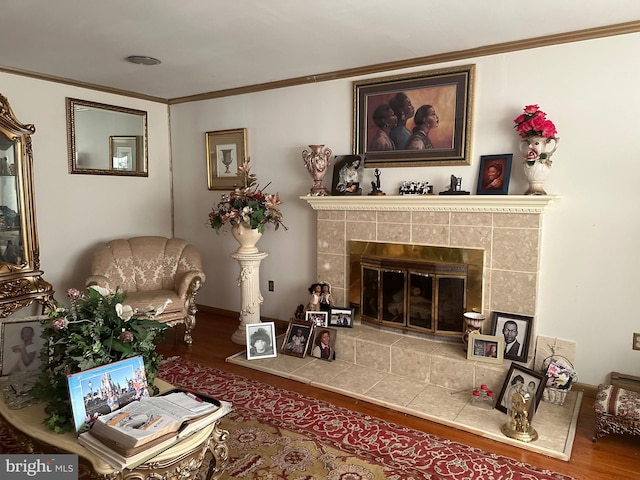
column 271, row 290
column 636, row 341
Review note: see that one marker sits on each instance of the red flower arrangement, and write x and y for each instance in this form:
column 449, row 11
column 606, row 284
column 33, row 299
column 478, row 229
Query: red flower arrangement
column 534, row 122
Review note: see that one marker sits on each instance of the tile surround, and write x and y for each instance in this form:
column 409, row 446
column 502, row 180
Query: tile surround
column 507, row 227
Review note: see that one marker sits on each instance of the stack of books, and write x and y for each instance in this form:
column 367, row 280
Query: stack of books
column 120, row 423
column 144, row 428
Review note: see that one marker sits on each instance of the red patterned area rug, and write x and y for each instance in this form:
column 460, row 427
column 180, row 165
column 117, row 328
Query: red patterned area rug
column 276, row 434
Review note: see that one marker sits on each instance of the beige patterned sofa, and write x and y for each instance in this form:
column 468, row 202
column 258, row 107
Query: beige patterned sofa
column 151, row 270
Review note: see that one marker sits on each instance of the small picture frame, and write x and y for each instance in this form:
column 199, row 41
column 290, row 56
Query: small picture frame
column 125, row 153
column 535, row 382
column 319, row 319
column 494, row 174
column 261, row 340
column 516, row 331
column 323, row 344
column 226, row 151
column 485, row 348
column 347, row 175
column 296, row 340
column 20, row 345
column 341, row 317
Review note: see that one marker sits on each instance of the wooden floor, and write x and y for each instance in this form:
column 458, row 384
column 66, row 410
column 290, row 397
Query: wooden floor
column 612, row 457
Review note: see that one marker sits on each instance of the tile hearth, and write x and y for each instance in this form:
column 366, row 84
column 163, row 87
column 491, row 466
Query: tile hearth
column 427, row 379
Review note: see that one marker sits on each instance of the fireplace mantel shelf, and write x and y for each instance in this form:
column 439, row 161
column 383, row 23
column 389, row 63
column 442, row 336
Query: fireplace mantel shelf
column 459, row 203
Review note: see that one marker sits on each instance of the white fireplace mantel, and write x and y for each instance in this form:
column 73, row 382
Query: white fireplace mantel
column 460, row 203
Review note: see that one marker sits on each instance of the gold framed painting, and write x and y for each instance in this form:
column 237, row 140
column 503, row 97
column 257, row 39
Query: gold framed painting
column 418, row 119
column 226, row 151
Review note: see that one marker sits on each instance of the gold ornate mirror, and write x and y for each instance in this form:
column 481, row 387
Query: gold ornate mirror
column 20, row 277
column 106, row 140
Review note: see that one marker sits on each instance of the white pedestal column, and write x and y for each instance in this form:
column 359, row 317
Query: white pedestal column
column 249, row 283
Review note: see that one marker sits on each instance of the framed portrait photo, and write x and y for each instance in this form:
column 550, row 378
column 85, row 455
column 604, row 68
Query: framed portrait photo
column 20, row 344
column 296, row 340
column 347, row 175
column 532, row 380
column 319, row 319
column 341, row 317
column 516, row 331
column 417, row 119
column 494, row 174
column 485, row 348
column 226, row 151
column 323, row 344
column 261, row 340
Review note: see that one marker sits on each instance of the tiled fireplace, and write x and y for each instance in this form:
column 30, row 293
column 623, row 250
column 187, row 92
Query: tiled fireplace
column 508, row 228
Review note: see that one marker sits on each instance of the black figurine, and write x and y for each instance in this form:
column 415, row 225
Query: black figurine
column 375, row 186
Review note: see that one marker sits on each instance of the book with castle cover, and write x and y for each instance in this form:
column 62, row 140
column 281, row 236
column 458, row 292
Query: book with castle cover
column 102, row 390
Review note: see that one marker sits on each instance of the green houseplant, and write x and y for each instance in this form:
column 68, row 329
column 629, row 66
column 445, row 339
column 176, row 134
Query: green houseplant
column 97, row 328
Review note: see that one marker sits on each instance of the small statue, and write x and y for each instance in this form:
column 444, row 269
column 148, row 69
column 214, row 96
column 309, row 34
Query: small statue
column 455, row 187
column 317, row 160
column 375, row 186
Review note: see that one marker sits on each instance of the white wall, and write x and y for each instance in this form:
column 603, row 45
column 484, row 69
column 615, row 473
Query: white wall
column 588, row 262
column 77, row 212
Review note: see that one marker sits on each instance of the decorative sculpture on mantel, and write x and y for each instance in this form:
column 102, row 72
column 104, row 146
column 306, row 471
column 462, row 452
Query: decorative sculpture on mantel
column 375, row 186
column 317, row 161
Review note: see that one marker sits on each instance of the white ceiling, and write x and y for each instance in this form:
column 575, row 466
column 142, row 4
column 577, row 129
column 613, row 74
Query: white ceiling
column 212, row 45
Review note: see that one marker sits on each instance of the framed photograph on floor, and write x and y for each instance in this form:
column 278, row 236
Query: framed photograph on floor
column 20, row 344
column 323, row 345
column 485, row 348
column 226, row 151
column 418, row 119
column 532, row 380
column 341, row 317
column 261, row 340
column 296, row 340
column 516, row 331
column 494, row 174
column 319, row 319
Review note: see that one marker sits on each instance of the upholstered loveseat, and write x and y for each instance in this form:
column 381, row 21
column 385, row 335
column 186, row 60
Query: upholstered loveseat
column 151, row 270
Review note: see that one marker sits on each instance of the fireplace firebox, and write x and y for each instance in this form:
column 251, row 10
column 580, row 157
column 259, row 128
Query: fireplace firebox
column 414, row 287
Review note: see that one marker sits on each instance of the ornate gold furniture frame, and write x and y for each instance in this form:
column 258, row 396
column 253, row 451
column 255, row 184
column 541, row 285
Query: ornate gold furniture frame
column 21, row 280
column 180, row 462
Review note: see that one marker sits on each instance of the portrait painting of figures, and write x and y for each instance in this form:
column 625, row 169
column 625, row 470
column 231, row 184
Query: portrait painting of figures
column 494, row 173
column 417, row 119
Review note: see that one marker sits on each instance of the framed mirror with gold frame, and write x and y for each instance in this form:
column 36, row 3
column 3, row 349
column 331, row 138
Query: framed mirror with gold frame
column 106, row 139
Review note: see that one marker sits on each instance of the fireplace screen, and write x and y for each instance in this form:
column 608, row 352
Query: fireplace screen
column 416, row 295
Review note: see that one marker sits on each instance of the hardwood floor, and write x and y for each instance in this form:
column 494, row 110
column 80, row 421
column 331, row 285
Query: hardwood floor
column 612, row 457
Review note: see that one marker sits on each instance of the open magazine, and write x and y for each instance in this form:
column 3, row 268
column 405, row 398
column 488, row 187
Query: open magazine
column 144, row 420
column 120, row 458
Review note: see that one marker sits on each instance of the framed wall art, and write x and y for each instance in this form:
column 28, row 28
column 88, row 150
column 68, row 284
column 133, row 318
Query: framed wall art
column 226, row 151
column 516, row 331
column 485, row 348
column 494, row 174
column 323, row 345
column 261, row 340
column 20, row 344
column 533, row 381
column 347, row 175
column 415, row 120
column 296, row 340
column 125, row 152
